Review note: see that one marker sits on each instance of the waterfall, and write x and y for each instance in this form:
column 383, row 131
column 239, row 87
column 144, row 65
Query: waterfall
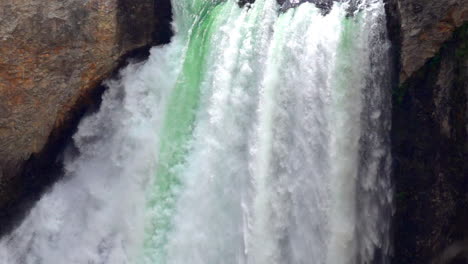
column 257, row 136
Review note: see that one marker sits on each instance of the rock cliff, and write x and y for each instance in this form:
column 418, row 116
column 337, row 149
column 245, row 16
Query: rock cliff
column 430, row 118
column 53, row 56
column 425, row 26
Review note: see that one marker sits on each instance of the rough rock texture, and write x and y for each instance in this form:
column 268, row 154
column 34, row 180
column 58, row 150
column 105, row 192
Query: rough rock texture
column 430, row 127
column 425, row 26
column 53, row 55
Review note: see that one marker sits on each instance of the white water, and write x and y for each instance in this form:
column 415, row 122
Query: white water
column 254, row 137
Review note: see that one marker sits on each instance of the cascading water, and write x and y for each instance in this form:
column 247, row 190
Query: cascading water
column 256, row 136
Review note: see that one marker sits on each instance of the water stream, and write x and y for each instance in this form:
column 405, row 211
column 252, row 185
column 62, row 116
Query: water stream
column 255, row 137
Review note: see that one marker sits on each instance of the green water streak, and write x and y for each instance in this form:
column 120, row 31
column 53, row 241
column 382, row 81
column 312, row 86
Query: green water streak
column 350, row 27
column 177, row 130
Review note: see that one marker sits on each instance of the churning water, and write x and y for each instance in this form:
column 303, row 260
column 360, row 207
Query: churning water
column 256, row 136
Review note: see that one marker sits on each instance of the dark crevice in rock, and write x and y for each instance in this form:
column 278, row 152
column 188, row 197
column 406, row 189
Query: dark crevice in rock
column 133, row 24
column 394, row 35
column 163, row 32
column 146, row 22
column 43, row 169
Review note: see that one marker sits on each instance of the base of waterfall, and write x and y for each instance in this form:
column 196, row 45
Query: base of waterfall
column 258, row 135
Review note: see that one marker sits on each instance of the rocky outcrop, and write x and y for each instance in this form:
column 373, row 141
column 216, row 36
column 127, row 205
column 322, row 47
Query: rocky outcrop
column 53, row 56
column 430, row 127
column 430, row 153
column 425, row 26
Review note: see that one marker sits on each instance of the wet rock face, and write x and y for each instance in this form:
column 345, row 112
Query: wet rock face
column 53, row 55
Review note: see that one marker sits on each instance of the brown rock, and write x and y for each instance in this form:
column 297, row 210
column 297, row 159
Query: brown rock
column 425, row 26
column 53, row 55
